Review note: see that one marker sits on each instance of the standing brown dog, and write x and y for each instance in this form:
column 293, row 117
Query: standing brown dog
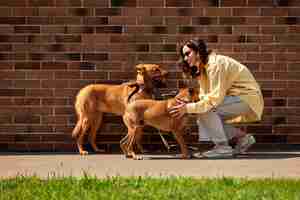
column 155, row 113
column 95, row 99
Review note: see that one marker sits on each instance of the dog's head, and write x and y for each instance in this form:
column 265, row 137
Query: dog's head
column 188, row 95
column 152, row 75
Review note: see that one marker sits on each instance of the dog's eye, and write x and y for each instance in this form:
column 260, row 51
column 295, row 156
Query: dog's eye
column 191, row 90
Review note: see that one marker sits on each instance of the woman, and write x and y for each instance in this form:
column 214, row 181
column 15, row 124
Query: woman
column 228, row 92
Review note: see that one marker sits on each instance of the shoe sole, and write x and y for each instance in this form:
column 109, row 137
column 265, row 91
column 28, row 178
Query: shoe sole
column 246, row 147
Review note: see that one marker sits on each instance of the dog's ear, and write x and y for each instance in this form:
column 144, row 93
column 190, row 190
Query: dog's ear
column 140, row 68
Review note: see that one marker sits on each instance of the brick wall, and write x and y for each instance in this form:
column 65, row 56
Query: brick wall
column 50, row 49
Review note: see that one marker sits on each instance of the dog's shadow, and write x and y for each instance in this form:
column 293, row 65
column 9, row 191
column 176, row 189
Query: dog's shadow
column 246, row 156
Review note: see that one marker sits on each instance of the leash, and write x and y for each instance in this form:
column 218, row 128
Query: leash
column 165, row 97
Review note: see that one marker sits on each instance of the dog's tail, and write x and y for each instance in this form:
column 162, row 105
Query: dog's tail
column 82, row 124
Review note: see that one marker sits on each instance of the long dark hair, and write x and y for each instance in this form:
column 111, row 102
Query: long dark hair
column 200, row 47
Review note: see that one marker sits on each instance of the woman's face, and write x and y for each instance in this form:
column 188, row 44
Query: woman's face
column 190, row 56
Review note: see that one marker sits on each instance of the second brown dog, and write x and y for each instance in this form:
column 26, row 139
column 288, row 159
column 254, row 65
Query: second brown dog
column 156, row 114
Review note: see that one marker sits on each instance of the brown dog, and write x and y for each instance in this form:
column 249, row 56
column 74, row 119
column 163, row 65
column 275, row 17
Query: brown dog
column 156, row 114
column 95, row 99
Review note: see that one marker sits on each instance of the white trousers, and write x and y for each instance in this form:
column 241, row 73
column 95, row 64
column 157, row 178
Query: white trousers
column 211, row 124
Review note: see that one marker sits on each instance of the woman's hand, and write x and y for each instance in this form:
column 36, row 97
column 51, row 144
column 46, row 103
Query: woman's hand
column 178, row 110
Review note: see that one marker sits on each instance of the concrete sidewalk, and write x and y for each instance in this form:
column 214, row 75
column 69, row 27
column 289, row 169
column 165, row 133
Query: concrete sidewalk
column 254, row 164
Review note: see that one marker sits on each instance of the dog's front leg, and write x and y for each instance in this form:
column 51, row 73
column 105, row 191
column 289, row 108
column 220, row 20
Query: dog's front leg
column 183, row 146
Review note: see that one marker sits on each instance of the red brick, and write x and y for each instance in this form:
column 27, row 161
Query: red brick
column 288, row 93
column 39, row 20
column 218, row 12
column 122, row 56
column 273, row 30
column 4, row 84
column 12, row 92
column 127, row 11
column 287, row 75
column 53, row 11
column 245, row 29
column 273, row 67
column 93, row 3
column 270, row 84
column 178, row 21
column 5, row 12
column 246, row 48
column 263, row 75
column 13, row 3
column 152, row 3
column 39, row 92
column 293, row 102
column 290, row 57
column 63, row 110
column 80, row 12
column 178, row 3
column 274, row 11
column 54, row 84
column 150, row 20
column 122, row 75
column 27, row 66
column 34, row 48
column 117, row 20
column 124, row 3
column 54, row 101
column 27, row 101
column 293, row 67
column 233, row 3
column 27, row 84
column 260, row 38
column 61, row 92
column 77, row 84
column 6, row 66
column 258, row 3
column 294, row 11
column 287, row 38
column 27, row 119
column 39, row 75
column 287, row 130
column 68, row 3
column 293, row 84
column 109, row 66
column 7, row 29
column 205, row 21
column 260, row 21
column 10, row 75
column 53, row 66
column 108, row 11
column 149, row 57
column 246, row 12
column 206, row 3
column 19, row 11
column 287, row 20
column 293, row 139
column 260, row 57
column 94, row 75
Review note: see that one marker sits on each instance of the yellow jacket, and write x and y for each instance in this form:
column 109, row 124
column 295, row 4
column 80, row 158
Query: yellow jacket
column 223, row 76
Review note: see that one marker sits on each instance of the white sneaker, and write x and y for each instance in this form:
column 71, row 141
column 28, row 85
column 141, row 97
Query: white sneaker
column 219, row 151
column 244, row 144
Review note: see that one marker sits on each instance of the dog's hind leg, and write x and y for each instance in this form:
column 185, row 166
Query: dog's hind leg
column 79, row 132
column 95, row 124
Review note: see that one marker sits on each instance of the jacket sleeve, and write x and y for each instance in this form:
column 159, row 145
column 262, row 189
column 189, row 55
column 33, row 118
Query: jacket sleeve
column 217, row 89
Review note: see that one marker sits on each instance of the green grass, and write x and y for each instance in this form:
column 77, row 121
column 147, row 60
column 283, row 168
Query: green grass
column 87, row 188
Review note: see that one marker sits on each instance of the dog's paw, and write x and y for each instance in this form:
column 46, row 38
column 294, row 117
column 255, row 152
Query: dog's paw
column 138, row 158
column 83, row 153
